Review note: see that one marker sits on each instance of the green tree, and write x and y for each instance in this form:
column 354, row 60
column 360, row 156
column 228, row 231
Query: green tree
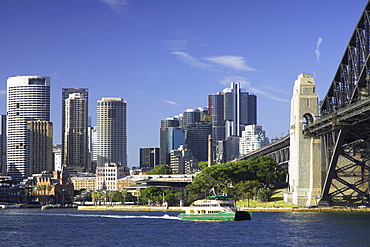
column 124, row 194
column 264, row 194
column 152, row 194
column 117, row 196
column 171, row 196
column 110, row 196
column 223, row 178
column 246, row 186
column 202, row 165
column 160, row 169
column 94, row 196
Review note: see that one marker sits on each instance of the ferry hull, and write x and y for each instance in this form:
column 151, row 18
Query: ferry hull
column 233, row 215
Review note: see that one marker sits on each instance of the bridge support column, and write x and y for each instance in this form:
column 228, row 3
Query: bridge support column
column 305, row 173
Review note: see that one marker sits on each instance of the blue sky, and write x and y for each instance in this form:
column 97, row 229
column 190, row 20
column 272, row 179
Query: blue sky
column 165, row 56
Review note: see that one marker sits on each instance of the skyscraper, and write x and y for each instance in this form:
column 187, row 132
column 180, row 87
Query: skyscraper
column 65, row 95
column 75, row 132
column 111, row 130
column 170, row 139
column 231, row 110
column 28, row 99
column 196, row 139
column 3, row 144
column 40, row 134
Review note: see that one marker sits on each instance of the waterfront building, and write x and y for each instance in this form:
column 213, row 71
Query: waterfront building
column 2, row 144
column 66, row 92
column 85, row 181
column 107, row 175
column 135, row 183
column 111, row 131
column 52, row 187
column 76, row 151
column 40, row 135
column 149, row 158
column 182, row 161
column 253, row 137
column 28, row 99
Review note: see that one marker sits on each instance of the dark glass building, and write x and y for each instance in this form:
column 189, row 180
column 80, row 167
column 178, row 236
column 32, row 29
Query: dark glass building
column 149, row 158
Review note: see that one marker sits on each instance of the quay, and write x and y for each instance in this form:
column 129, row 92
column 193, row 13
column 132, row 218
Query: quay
column 257, row 209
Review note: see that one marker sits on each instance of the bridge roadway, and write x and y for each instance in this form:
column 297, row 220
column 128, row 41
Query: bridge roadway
column 277, row 150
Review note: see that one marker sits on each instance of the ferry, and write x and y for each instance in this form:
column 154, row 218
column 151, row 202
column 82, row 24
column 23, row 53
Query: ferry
column 215, row 208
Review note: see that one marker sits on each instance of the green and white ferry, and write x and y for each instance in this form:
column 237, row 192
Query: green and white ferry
column 215, row 208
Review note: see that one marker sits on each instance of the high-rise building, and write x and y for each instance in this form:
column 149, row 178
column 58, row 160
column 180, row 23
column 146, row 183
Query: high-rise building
column 40, row 135
column 57, row 157
column 231, row 110
column 227, row 150
column 196, row 139
column 75, row 131
column 253, row 137
column 170, row 139
column 65, row 95
column 28, row 99
column 2, row 144
column 111, row 130
column 149, row 158
column 182, row 161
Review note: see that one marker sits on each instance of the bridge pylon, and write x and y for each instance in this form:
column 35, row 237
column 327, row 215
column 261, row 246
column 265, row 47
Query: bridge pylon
column 305, row 166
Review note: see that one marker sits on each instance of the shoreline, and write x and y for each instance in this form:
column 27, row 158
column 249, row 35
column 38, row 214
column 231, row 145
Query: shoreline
column 258, row 209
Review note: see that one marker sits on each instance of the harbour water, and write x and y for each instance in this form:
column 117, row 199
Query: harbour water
column 70, row 227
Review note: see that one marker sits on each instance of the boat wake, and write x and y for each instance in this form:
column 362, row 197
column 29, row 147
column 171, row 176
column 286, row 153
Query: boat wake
column 166, row 216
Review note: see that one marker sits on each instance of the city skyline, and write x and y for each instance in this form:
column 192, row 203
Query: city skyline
column 165, row 61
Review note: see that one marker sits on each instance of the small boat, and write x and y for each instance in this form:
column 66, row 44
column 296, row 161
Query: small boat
column 215, row 208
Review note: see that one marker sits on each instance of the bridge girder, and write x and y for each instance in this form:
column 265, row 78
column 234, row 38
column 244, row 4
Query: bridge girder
column 344, row 123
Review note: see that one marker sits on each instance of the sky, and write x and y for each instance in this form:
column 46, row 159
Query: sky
column 166, row 56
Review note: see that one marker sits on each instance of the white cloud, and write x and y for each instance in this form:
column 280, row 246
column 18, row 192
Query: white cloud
column 116, row 4
column 244, row 83
column 2, row 92
column 233, row 62
column 192, row 61
column 317, row 51
column 177, row 44
column 170, row 102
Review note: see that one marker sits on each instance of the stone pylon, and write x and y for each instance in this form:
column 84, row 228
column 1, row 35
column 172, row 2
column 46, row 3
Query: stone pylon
column 305, row 173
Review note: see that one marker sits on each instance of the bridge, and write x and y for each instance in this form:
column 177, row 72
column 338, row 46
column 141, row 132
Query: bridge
column 343, row 126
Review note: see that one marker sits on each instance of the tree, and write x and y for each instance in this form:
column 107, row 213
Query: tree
column 152, row 194
column 94, row 196
column 171, row 196
column 264, row 194
column 110, row 196
column 124, row 194
column 160, row 169
column 202, row 165
column 223, row 178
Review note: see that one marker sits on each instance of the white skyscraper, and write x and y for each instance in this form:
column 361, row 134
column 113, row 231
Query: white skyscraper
column 28, row 99
column 253, row 137
column 111, row 130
